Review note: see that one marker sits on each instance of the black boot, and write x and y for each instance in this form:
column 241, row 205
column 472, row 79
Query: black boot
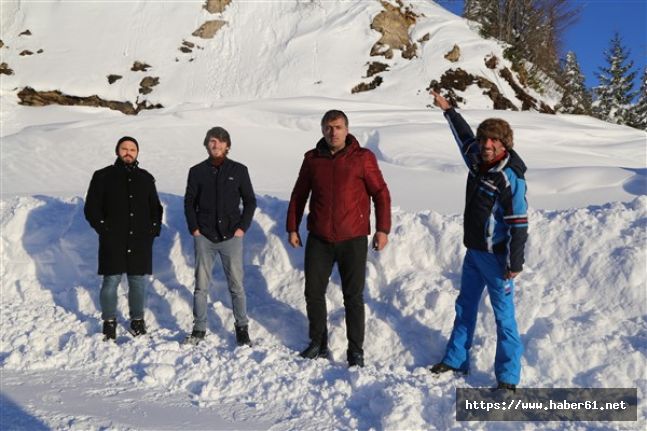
column 109, row 329
column 355, row 358
column 195, row 337
column 316, row 350
column 137, row 327
column 441, row 367
column 508, row 387
column 242, row 336
column 323, row 349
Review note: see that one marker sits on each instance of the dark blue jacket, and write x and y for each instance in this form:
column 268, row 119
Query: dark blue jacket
column 495, row 218
column 213, row 196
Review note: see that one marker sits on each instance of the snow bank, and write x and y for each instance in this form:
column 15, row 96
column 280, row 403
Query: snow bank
column 581, row 301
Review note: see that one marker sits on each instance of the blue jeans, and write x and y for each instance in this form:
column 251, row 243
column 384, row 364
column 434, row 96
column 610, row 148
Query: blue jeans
column 136, row 296
column 231, row 256
column 482, row 269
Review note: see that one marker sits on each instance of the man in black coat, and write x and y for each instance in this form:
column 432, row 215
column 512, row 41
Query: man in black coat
column 214, row 191
column 122, row 206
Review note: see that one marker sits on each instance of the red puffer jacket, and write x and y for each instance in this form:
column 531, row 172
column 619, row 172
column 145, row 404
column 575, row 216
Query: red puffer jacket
column 341, row 187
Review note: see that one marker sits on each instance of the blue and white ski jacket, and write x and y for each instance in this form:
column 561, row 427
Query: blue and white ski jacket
column 495, row 218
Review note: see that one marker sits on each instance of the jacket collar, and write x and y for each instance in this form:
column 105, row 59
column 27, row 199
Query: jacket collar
column 351, row 145
column 225, row 163
column 120, row 164
column 513, row 161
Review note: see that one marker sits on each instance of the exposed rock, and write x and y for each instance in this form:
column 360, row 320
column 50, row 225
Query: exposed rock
column 379, row 49
column 394, row 23
column 410, row 51
column 459, row 80
column 454, row 54
column 138, row 66
column 188, row 44
column 527, row 101
column 5, row 69
column 147, row 84
column 209, row 29
column 216, row 6
column 491, row 61
column 499, row 101
column 25, row 33
column 1, row 43
column 366, row 87
column 113, row 78
column 545, row 108
column 456, row 79
column 424, row 38
column 40, row 51
column 185, row 50
column 30, row 97
column 522, row 73
column 26, row 52
column 376, row 67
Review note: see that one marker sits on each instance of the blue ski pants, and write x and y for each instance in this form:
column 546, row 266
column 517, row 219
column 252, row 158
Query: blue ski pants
column 482, row 269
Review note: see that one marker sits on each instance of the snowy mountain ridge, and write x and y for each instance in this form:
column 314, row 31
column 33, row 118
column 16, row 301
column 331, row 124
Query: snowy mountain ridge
column 172, row 53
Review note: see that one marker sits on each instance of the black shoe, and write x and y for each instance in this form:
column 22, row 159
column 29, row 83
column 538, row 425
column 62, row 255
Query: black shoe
column 506, row 387
column 355, row 358
column 441, row 367
column 323, row 351
column 242, row 336
column 109, row 329
column 195, row 337
column 323, row 347
column 314, row 351
column 137, row 327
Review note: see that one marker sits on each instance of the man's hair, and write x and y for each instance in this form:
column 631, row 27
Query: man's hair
column 220, row 134
column 495, row 128
column 124, row 139
column 333, row 115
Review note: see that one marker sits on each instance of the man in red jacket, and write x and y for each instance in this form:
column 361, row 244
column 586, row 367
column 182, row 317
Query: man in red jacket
column 340, row 177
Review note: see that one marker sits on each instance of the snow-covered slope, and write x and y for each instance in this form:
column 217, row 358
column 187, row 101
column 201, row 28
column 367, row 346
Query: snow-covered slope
column 581, row 313
column 265, row 49
column 573, row 160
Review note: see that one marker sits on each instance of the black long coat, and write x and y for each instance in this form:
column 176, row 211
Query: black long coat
column 123, row 207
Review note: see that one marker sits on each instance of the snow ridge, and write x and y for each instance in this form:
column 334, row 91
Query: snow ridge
column 581, row 314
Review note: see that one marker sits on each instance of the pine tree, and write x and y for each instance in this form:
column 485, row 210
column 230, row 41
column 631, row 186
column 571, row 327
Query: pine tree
column 576, row 98
column 639, row 110
column 533, row 28
column 614, row 94
column 486, row 13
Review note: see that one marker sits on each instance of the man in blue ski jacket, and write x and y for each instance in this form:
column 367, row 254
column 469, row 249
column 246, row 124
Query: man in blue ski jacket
column 495, row 225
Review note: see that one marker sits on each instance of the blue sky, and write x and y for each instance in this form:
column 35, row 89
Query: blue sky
column 589, row 37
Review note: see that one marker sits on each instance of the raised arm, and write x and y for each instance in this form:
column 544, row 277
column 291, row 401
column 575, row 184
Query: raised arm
column 461, row 130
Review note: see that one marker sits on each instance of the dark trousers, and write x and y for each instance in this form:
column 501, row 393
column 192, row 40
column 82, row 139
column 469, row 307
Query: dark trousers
column 351, row 260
